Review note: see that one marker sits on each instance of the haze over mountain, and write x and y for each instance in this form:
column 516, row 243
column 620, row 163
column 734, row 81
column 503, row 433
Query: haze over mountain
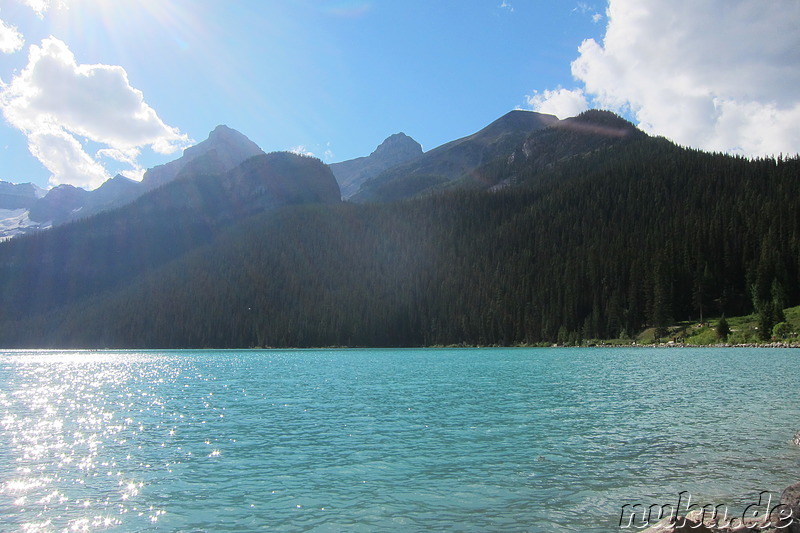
column 224, row 149
column 65, row 264
column 583, row 228
column 229, row 146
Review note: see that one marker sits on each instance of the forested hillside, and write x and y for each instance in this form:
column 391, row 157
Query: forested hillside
column 56, row 269
column 600, row 241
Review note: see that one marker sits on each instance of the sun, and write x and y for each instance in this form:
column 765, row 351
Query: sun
column 99, row 19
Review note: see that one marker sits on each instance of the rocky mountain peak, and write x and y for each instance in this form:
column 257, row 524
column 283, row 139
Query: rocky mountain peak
column 398, row 146
column 394, row 150
column 225, row 138
column 222, row 130
column 230, row 146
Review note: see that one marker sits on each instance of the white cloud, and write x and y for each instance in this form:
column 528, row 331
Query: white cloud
column 561, row 102
column 506, row 5
column 718, row 75
column 301, row 150
column 55, row 99
column 64, row 156
column 10, row 39
column 40, row 6
column 135, row 174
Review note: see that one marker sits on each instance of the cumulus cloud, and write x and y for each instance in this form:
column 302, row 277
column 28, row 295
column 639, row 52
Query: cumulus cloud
column 718, row 75
column 10, row 39
column 64, row 156
column 55, row 101
column 561, row 102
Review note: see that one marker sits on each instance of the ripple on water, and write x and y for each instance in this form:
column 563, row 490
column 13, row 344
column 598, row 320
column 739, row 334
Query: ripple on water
column 327, row 440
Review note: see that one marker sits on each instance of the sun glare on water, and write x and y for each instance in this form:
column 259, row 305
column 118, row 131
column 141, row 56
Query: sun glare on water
column 64, row 417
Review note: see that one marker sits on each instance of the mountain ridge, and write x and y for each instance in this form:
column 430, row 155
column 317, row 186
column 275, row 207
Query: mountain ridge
column 224, row 149
column 579, row 229
column 454, row 160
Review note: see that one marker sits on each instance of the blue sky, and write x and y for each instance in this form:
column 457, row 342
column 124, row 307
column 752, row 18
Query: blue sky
column 91, row 88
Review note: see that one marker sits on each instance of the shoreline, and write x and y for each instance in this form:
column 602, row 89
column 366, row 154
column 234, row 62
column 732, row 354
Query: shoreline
column 688, row 345
column 604, row 345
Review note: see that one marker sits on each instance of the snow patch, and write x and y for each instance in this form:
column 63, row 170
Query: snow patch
column 15, row 222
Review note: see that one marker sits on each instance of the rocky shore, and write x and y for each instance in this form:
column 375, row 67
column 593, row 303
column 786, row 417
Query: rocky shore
column 783, row 517
column 725, row 345
column 672, row 344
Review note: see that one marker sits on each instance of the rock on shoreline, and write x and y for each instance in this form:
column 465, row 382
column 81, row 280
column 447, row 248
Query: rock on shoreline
column 785, row 518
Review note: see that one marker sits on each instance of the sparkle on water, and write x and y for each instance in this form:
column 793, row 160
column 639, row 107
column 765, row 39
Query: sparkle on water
column 365, row 440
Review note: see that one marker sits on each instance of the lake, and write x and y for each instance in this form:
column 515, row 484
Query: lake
column 388, row 440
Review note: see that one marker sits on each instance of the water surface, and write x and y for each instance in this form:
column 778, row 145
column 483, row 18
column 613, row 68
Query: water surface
column 387, row 440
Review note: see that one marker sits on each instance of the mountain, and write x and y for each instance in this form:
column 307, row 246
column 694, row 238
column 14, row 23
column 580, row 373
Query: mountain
column 115, row 192
column 60, row 204
column 262, row 182
column 587, row 228
column 396, row 149
column 66, row 202
column 229, row 148
column 15, row 201
column 454, row 161
column 18, row 196
column 66, row 264
column 224, row 149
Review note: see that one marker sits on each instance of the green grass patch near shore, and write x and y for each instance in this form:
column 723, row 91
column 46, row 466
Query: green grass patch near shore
column 744, row 330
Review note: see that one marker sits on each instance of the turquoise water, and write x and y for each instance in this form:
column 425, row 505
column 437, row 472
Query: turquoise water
column 387, row 440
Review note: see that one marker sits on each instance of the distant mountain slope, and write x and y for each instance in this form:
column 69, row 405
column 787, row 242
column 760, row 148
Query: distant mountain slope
column 66, row 264
column 15, row 202
column 66, row 202
column 396, row 149
column 455, row 160
column 572, row 138
column 224, row 149
column 18, row 196
column 60, row 204
column 262, row 182
column 115, row 192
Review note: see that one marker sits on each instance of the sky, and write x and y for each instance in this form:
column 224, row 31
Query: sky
column 93, row 88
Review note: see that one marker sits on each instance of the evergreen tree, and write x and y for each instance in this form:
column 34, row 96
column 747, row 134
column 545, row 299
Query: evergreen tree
column 723, row 329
